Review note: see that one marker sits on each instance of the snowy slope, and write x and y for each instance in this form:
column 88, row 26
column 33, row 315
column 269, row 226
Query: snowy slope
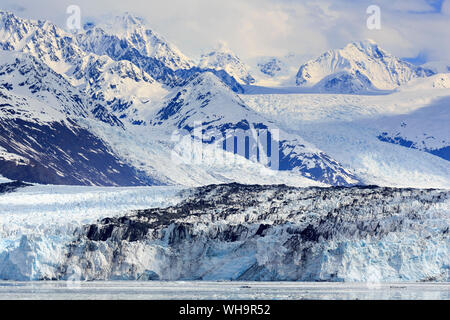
column 223, row 58
column 425, row 128
column 167, row 153
column 208, row 105
column 23, row 74
column 360, row 66
column 437, row 81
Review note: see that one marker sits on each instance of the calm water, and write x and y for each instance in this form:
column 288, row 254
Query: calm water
column 159, row 290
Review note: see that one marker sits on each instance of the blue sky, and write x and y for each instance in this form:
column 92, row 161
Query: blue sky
column 415, row 28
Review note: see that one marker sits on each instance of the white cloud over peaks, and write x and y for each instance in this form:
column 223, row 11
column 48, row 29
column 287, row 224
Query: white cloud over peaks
column 271, row 27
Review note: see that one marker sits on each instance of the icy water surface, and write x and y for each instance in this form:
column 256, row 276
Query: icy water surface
column 220, row 290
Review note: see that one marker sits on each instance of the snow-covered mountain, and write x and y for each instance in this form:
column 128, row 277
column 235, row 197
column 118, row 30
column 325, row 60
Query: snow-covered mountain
column 113, row 86
column 120, row 86
column 42, row 39
column 223, row 58
column 41, row 139
column 438, row 66
column 127, row 38
column 209, row 106
column 277, row 71
column 360, row 66
column 271, row 67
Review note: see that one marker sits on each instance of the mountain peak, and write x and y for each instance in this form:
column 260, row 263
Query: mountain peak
column 368, row 46
column 131, row 19
column 131, row 32
column 8, row 19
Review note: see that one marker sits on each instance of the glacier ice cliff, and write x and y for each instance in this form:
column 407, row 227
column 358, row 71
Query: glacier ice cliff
column 253, row 232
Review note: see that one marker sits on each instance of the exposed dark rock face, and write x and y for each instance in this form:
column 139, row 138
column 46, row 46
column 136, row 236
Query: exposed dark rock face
column 252, row 232
column 12, row 186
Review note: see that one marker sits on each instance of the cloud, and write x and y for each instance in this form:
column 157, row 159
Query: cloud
column 272, row 27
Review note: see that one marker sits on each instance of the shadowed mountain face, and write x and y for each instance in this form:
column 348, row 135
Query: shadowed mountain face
column 245, row 232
